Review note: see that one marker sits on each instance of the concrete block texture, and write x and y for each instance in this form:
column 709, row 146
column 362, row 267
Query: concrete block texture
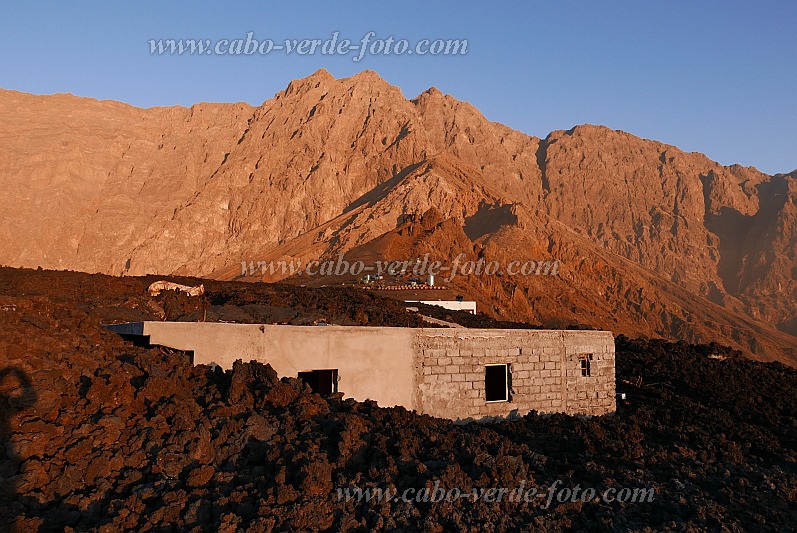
column 545, row 372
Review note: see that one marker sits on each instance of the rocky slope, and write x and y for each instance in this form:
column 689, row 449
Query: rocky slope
column 651, row 240
column 100, row 435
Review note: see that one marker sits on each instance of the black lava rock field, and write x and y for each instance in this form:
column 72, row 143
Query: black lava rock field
column 97, row 434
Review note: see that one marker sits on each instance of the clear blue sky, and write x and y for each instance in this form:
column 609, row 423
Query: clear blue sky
column 715, row 77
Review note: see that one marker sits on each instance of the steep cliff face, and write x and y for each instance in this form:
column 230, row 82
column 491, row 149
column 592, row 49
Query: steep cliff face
column 84, row 180
column 318, row 149
column 651, row 240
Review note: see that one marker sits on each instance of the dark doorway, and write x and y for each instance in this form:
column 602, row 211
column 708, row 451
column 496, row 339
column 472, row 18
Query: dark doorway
column 496, row 383
column 323, row 382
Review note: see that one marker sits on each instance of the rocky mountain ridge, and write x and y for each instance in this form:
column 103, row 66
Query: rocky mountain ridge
column 652, row 240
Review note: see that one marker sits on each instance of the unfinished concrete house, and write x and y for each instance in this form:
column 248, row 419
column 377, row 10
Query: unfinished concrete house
column 461, row 374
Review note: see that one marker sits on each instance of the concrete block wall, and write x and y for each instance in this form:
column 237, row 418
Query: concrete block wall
column 591, row 394
column 545, row 372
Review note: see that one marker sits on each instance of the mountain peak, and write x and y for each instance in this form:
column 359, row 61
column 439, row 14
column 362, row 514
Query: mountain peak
column 368, row 78
column 430, row 94
column 367, row 75
column 321, row 74
column 316, row 79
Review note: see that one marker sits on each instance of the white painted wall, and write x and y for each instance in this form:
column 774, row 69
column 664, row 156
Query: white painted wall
column 454, row 305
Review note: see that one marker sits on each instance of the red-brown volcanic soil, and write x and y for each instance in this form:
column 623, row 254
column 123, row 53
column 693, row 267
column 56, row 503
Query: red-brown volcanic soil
column 97, row 434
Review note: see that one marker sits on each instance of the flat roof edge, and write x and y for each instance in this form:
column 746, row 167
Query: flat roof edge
column 137, row 328
column 126, row 328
